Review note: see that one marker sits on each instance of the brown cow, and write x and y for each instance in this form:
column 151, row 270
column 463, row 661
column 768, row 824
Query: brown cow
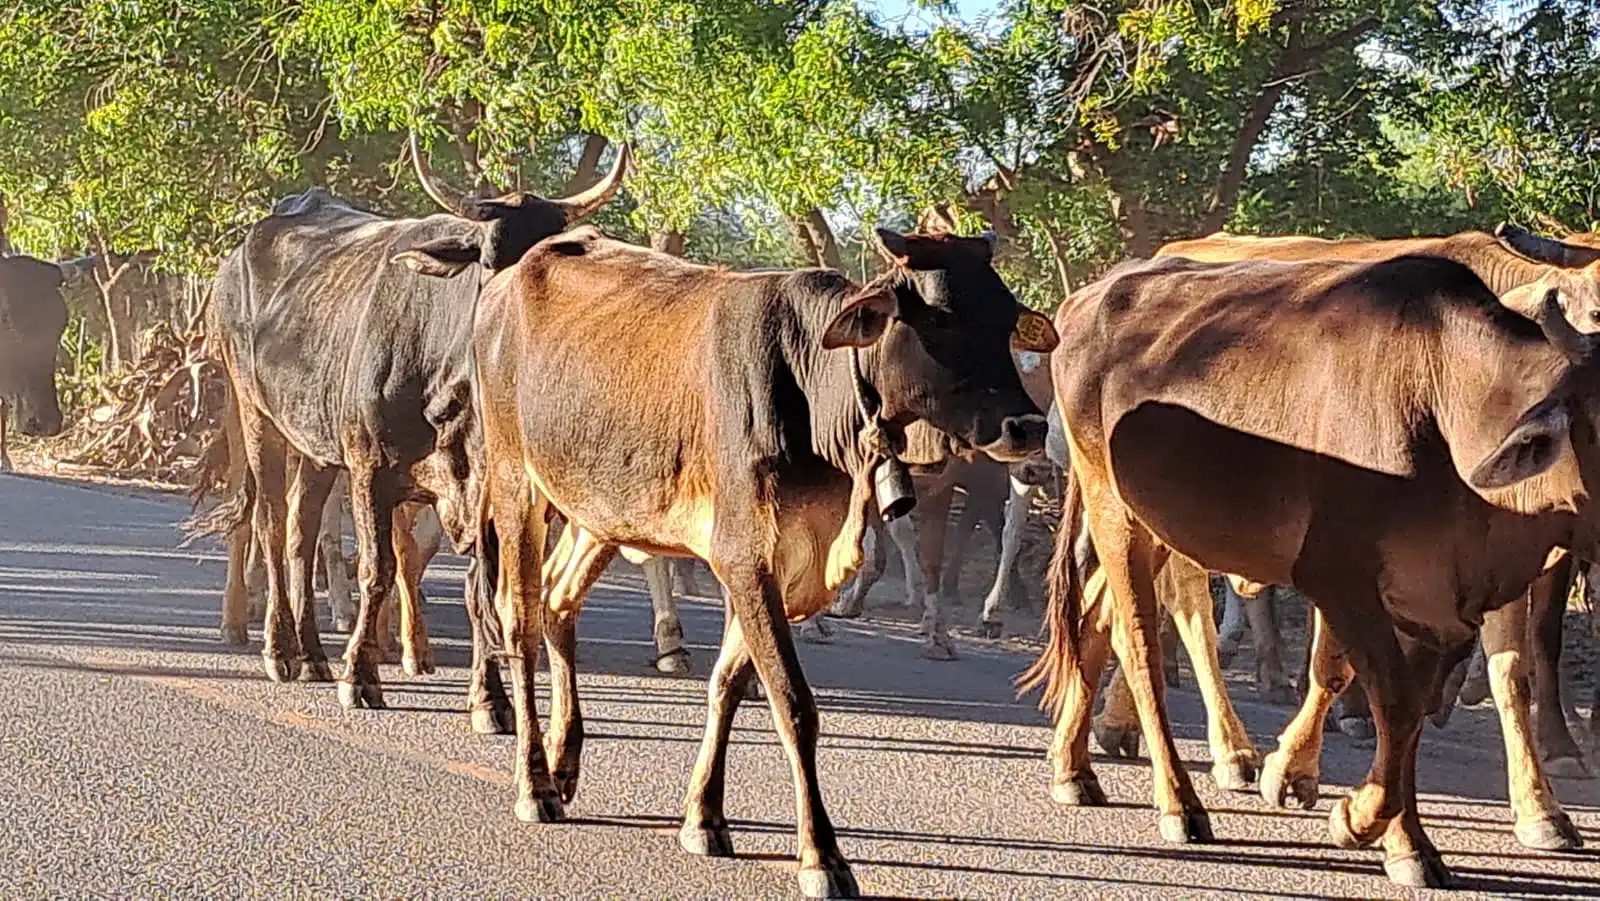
column 1386, row 437
column 1520, row 267
column 676, row 409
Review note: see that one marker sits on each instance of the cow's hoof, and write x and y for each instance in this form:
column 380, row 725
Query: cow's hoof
column 753, row 691
column 353, row 696
column 991, row 628
column 566, row 783
column 846, row 609
column 236, row 636
column 280, row 669
column 1422, row 869
column 1549, row 833
column 343, row 623
column 1234, row 775
column 1339, row 829
column 1567, row 768
column 1474, row 690
column 1357, row 727
column 1193, row 826
column 1118, row 741
column 1078, row 791
column 674, row 663
column 939, row 650
column 1277, row 785
column 316, row 671
column 814, row 632
column 1227, row 649
column 417, row 666
column 494, row 719
column 1441, row 717
column 542, row 809
column 706, row 841
column 818, row 883
column 1281, row 695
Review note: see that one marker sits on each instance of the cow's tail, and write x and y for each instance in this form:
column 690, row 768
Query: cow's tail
column 1059, row 659
column 225, row 518
column 221, row 463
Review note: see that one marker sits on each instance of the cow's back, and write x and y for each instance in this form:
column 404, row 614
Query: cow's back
column 328, row 335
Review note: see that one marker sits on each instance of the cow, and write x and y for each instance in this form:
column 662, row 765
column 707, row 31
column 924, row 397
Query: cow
column 668, row 408
column 340, row 360
column 32, row 318
column 1520, row 267
column 1386, row 437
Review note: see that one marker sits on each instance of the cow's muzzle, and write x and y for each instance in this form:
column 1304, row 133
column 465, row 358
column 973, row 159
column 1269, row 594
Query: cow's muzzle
column 1020, row 438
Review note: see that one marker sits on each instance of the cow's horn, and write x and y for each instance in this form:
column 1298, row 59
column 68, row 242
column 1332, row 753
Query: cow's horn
column 585, row 202
column 1540, row 249
column 1578, row 347
column 442, row 194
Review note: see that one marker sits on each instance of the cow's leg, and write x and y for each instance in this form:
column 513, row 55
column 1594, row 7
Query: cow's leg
column 374, row 494
column 416, row 654
column 1541, row 823
column 307, row 493
column 1547, row 612
column 1116, row 728
column 267, row 453
column 685, row 581
column 569, row 574
column 672, row 655
column 758, row 605
column 1186, row 590
column 340, row 599
column 255, row 579
column 487, row 703
column 1410, row 857
column 1016, row 522
column 1231, row 632
column 236, row 591
column 705, row 826
column 927, row 535
column 5, row 458
column 1475, row 682
column 852, row 598
column 519, row 516
column 1072, row 778
column 1130, row 558
column 1296, row 766
column 1272, row 682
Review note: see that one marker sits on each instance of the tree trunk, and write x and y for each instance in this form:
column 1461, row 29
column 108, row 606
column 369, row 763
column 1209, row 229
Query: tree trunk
column 1134, row 225
column 668, row 242
column 1058, row 253
column 588, row 171
column 816, row 239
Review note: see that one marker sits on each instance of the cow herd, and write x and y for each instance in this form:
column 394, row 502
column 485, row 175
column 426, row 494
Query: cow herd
column 1402, row 431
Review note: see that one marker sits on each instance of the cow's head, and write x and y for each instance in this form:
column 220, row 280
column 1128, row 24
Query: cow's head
column 1570, row 268
column 940, row 328
column 510, row 224
column 32, row 318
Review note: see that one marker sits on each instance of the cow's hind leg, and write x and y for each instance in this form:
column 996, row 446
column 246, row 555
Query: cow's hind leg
column 341, row 601
column 672, row 655
column 268, row 453
column 569, row 574
column 852, row 599
column 1072, row 778
column 1130, row 558
column 1541, row 823
column 1272, row 682
column 373, row 498
column 1547, row 612
column 1186, row 590
column 1295, row 767
column 487, row 703
column 416, row 654
column 308, row 491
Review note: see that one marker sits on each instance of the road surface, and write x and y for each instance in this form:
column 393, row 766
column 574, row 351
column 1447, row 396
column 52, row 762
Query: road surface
column 140, row 758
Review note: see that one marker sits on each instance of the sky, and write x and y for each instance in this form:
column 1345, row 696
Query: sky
column 893, row 10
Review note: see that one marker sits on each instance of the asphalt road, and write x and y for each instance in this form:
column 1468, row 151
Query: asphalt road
column 140, row 758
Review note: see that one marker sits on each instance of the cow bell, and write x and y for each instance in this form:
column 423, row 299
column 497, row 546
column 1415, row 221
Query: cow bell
column 891, row 484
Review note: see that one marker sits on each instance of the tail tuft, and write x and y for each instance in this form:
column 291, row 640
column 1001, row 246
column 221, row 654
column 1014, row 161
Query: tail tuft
column 1062, row 613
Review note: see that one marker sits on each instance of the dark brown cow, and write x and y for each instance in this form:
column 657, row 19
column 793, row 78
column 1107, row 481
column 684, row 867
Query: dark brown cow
column 1387, row 438
column 675, row 409
column 32, row 318
column 340, row 360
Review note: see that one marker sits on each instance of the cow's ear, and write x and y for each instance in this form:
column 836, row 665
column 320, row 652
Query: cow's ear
column 1034, row 332
column 441, row 258
column 862, row 320
column 1533, row 446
